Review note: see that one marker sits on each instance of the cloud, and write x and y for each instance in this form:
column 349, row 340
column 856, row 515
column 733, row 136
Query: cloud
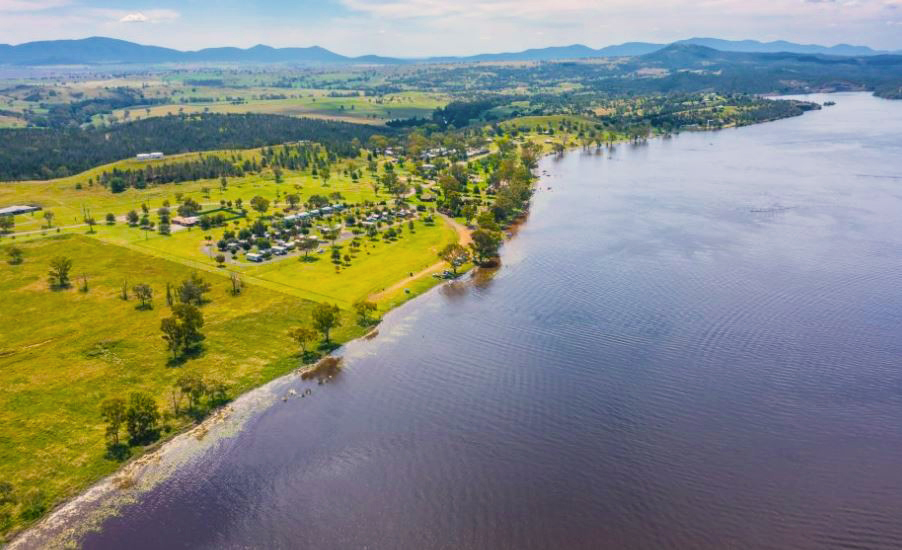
column 148, row 16
column 134, row 18
column 30, row 5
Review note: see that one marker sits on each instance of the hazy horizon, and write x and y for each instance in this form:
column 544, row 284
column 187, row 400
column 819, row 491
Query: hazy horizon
column 422, row 28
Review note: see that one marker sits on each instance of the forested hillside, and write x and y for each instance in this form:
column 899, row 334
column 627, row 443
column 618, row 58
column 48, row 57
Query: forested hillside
column 44, row 154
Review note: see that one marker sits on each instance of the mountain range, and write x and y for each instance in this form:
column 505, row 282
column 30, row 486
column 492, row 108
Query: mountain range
column 100, row 50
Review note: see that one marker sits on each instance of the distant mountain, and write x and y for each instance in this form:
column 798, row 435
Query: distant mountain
column 631, row 49
column 754, row 46
column 99, row 50
column 95, row 50
column 684, row 55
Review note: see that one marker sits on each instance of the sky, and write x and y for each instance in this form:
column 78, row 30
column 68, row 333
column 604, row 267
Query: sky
column 415, row 28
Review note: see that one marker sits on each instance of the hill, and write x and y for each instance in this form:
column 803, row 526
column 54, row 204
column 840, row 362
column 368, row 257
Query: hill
column 100, row 50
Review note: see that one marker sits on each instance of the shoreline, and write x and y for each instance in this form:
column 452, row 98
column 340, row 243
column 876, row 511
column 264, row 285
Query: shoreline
column 65, row 524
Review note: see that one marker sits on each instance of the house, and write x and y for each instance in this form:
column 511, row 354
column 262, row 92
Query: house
column 279, row 250
column 149, row 156
column 18, row 209
column 186, row 221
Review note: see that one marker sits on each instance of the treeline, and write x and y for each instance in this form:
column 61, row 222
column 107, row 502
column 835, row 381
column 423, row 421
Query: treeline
column 207, row 167
column 42, row 154
column 81, row 112
column 299, row 156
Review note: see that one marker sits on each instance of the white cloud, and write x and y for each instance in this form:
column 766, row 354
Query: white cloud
column 134, row 18
column 30, row 5
column 147, row 16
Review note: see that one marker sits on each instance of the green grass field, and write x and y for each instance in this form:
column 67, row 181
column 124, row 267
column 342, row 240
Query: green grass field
column 301, row 103
column 68, row 350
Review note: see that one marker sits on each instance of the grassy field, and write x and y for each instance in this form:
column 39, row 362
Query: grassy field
column 307, row 103
column 66, row 200
column 68, row 350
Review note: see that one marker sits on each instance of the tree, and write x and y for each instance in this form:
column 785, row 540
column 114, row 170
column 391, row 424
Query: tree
column 188, row 208
column 455, row 254
column 132, row 218
column 260, row 204
column 468, row 212
column 486, row 220
column 364, row 309
column 141, row 418
column 182, row 330
column 144, row 293
column 7, row 223
column 91, row 223
column 303, row 336
column 192, row 290
column 237, row 285
column 193, row 387
column 325, row 318
column 485, row 244
column 59, row 272
column 307, row 244
column 220, row 259
column 110, row 219
column 293, row 200
column 113, row 412
column 14, row 255
column 48, row 215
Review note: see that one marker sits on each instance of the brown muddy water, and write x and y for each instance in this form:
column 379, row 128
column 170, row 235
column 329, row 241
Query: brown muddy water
column 694, row 343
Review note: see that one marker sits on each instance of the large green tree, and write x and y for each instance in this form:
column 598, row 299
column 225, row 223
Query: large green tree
column 182, row 330
column 325, row 318
column 141, row 418
column 58, row 276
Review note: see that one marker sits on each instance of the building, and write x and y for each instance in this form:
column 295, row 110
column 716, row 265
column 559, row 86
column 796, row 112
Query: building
column 149, row 156
column 186, row 221
column 17, row 209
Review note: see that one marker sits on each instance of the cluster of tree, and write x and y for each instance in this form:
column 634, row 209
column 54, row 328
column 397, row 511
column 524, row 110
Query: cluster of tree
column 204, row 167
column 41, row 154
column 140, row 415
column 182, row 330
column 324, row 318
column 74, row 114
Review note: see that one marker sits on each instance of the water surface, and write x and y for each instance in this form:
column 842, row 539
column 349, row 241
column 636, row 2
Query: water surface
column 694, row 343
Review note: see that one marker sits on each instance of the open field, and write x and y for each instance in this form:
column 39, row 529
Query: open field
column 66, row 200
column 370, row 110
column 69, row 350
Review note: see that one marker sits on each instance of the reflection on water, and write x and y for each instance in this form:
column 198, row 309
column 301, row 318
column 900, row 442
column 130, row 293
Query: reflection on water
column 691, row 344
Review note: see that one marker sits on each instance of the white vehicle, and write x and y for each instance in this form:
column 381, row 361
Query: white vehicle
column 252, row 257
column 279, row 250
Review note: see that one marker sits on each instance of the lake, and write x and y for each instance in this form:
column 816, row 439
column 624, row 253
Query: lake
column 692, row 343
